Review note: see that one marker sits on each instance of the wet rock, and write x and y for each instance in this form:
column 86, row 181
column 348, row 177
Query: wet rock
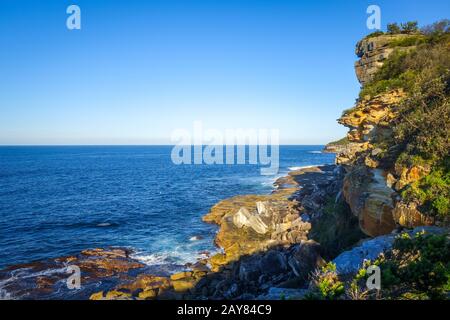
column 146, row 282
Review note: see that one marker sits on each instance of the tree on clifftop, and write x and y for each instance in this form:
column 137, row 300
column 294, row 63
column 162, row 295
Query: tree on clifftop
column 393, row 28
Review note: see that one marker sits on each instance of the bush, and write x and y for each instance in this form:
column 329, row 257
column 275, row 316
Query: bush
column 326, row 284
column 409, row 27
column 432, row 191
column 421, row 131
column 413, row 40
column 393, row 28
column 336, row 229
column 374, row 34
column 418, row 264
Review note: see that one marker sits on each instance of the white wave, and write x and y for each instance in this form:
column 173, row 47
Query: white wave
column 179, row 256
column 302, row 167
column 151, row 259
column 270, row 181
column 104, row 224
column 315, row 151
column 4, row 295
column 24, row 273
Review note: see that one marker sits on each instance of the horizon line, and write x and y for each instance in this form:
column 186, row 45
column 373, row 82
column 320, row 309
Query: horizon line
column 144, row 145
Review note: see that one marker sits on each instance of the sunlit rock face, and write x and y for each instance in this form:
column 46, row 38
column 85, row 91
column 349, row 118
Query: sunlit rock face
column 371, row 188
column 367, row 121
column 370, row 199
column 373, row 52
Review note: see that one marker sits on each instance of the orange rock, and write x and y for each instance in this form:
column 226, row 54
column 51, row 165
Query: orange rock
column 407, row 215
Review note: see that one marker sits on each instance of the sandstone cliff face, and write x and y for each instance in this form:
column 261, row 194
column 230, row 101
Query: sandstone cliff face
column 370, row 188
column 373, row 52
column 369, row 116
column 368, row 121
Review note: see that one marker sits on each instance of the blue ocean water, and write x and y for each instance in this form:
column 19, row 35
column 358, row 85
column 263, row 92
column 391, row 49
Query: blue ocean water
column 57, row 201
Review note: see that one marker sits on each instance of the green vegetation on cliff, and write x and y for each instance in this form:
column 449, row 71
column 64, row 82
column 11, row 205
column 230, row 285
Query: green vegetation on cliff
column 421, row 131
column 337, row 229
column 404, row 68
column 418, row 267
column 341, row 142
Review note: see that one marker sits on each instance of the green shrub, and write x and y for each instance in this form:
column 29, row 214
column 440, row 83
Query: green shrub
column 421, row 131
column 341, row 142
column 374, row 34
column 393, row 28
column 327, row 285
column 432, row 191
column 409, row 27
column 418, row 264
column 412, row 40
column 336, row 229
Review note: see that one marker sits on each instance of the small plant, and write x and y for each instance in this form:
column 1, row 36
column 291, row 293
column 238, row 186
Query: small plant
column 327, row 285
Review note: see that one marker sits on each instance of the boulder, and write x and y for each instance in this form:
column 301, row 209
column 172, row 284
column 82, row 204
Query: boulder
column 370, row 199
column 273, row 263
column 351, row 261
column 181, row 275
column 183, row 285
column 148, row 294
column 304, row 258
column 241, row 218
column 244, row 218
column 249, row 269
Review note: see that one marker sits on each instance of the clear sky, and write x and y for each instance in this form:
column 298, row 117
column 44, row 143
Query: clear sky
column 137, row 70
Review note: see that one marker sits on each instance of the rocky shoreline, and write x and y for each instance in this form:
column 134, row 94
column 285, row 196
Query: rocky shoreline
column 271, row 247
column 264, row 241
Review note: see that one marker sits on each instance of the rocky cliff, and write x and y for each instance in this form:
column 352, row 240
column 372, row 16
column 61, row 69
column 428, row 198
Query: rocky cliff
column 374, row 182
column 373, row 52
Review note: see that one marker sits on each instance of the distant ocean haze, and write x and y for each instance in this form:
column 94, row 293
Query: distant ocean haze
column 59, row 200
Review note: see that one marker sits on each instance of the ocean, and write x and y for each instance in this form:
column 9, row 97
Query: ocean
column 59, row 200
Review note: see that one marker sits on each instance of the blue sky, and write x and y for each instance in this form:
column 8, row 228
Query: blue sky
column 137, row 70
